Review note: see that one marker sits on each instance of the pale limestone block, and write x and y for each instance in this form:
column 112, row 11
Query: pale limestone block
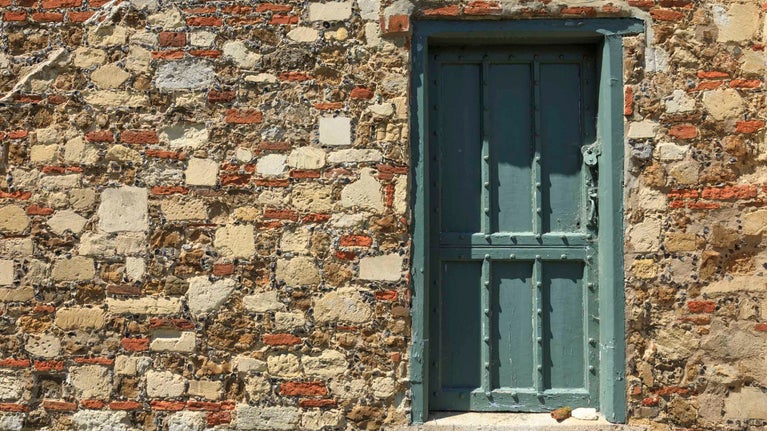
column 7, row 274
column 381, row 110
column 723, row 103
column 146, row 305
column 13, row 219
column 356, row 388
column 135, row 267
column 124, row 209
column 284, row 366
column 383, row 387
column 310, row 197
column 101, row 420
column 679, row 101
column 296, row 241
column 355, row 156
column 400, row 194
column 262, row 78
column 168, row 19
column 16, row 247
column 306, row 158
column 96, row 244
column 123, row 154
column 20, row 294
column 342, row 305
column 263, row 302
column 685, row 172
column 298, row 271
column 364, row 193
column 127, row 365
column 303, row 34
column 129, row 243
column 330, row 11
column 138, row 60
column 328, row 364
column 236, row 241
column 82, row 200
column 43, row 153
column 12, row 386
column 753, row 62
column 44, row 346
column 349, row 221
column 754, row 223
column 66, row 220
column 241, row 54
column 267, row 418
column 287, row 321
column 335, row 131
column 202, row 38
column 736, row 21
column 734, row 285
column 164, row 384
column 79, row 318
column 373, row 34
column 109, row 76
column 208, row 389
column 386, row 268
column 187, row 421
column 643, row 129
column 173, row 341
column 651, row 200
column 108, row 35
column 201, row 172
column 91, row 381
column 60, row 182
column 185, row 135
column 317, row 420
column 675, row 343
column 645, row 236
column 184, row 208
column 190, row 74
column 257, row 386
column 48, row 136
column 86, row 57
column 78, row 268
column 369, row 9
column 243, row 155
column 271, row 165
column 144, row 37
column 204, row 296
column 247, row 364
column 668, row 152
column 116, row 98
column 76, row 150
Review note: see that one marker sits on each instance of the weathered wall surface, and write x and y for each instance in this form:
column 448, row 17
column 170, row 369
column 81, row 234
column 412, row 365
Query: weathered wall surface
column 203, row 212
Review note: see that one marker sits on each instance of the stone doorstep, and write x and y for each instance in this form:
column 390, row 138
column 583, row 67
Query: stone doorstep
column 450, row 421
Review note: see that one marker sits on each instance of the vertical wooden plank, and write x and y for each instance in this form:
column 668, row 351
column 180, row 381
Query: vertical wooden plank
column 538, row 326
column 510, row 123
column 512, row 335
column 537, row 150
column 460, row 326
column 563, row 325
column 561, row 141
column 486, row 325
column 460, row 145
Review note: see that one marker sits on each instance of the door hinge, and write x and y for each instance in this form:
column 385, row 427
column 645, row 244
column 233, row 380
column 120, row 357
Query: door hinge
column 591, row 154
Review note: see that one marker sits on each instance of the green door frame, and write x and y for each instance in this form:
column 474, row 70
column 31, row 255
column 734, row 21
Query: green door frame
column 607, row 35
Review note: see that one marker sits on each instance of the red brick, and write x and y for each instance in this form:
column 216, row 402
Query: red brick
column 650, row 401
column 303, row 388
column 696, row 320
column 274, row 146
column 17, row 134
column 294, row 76
column 92, row 404
column 170, row 38
column 218, row 418
column 11, row 407
column 303, row 174
column 315, row 218
column 272, row 7
column 312, row 403
column 703, row 205
column 243, row 116
column 75, row 16
column 283, row 20
column 203, row 406
column 14, row 16
column 748, row 126
column 328, row 106
column 361, row 93
column 628, row 101
column 95, row 361
column 124, row 405
column 745, row 83
column 48, row 16
column 244, row 21
column 28, row 98
column 707, row 85
column 280, row 339
column 355, row 241
column 281, row 214
column 15, row 195
column 135, row 344
column 209, row 53
column 221, row 96
column 56, row 99
column 169, row 190
column 168, row 323
column 50, row 169
column 389, row 193
column 38, row 210
column 675, row 3
column 55, row 4
column 168, row 55
column 451, row 10
column 683, row 193
column 43, row 309
column 100, row 136
column 666, row 15
column 683, row 131
column 165, row 154
column 5, row 3
column 97, row 3
column 204, row 21
column 761, row 327
column 669, row 390
column 49, row 365
column 729, row 192
column 220, row 269
column 346, row 255
column 124, row 289
column 482, row 8
column 139, row 137
column 642, row 4
column 712, row 74
column 270, row 225
column 237, row 10
column 265, row 182
column 201, row 10
column 60, row 406
column 235, row 180
column 584, row 11
column 14, row 363
column 395, row 357
column 173, row 406
column 386, row 295
column 701, row 306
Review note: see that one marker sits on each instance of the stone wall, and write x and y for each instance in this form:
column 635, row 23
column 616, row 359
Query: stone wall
column 203, row 212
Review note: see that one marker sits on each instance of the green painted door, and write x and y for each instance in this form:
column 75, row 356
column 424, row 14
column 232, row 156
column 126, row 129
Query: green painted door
column 513, row 318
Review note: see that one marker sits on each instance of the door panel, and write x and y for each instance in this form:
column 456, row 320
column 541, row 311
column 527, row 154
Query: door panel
column 513, row 316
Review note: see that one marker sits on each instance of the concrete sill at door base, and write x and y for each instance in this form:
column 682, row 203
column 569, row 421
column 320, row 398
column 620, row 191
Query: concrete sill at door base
column 451, row 421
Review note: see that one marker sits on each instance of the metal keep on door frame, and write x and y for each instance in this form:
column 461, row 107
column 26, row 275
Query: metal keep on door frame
column 606, row 35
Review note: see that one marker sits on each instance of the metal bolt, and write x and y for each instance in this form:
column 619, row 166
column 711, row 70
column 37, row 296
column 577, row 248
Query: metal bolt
column 512, row 256
column 538, row 284
column 487, row 283
column 592, row 341
column 486, row 158
column 487, row 339
column 540, row 367
column 563, row 257
column 487, row 365
column 487, row 210
column 540, row 339
column 537, row 257
column 487, row 237
column 487, row 257
column 487, row 311
column 538, row 185
column 487, row 184
column 540, row 311
column 591, row 368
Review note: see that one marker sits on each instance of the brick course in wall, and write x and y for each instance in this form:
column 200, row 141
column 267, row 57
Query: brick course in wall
column 203, row 212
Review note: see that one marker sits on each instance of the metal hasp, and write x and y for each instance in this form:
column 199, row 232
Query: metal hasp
column 499, row 254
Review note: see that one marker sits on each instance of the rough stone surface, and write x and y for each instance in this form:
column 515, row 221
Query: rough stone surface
column 77, row 268
column 13, row 219
column 204, row 296
column 123, row 209
column 184, row 75
column 91, row 381
column 79, row 318
column 235, row 241
column 201, row 172
column 263, row 418
column 386, row 268
column 164, row 384
column 345, row 305
column 335, row 130
column 364, row 193
column 298, row 271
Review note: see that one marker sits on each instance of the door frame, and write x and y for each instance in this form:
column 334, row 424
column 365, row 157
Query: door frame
column 606, row 35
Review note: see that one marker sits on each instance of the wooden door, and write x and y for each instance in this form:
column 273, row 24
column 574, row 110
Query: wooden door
column 513, row 316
